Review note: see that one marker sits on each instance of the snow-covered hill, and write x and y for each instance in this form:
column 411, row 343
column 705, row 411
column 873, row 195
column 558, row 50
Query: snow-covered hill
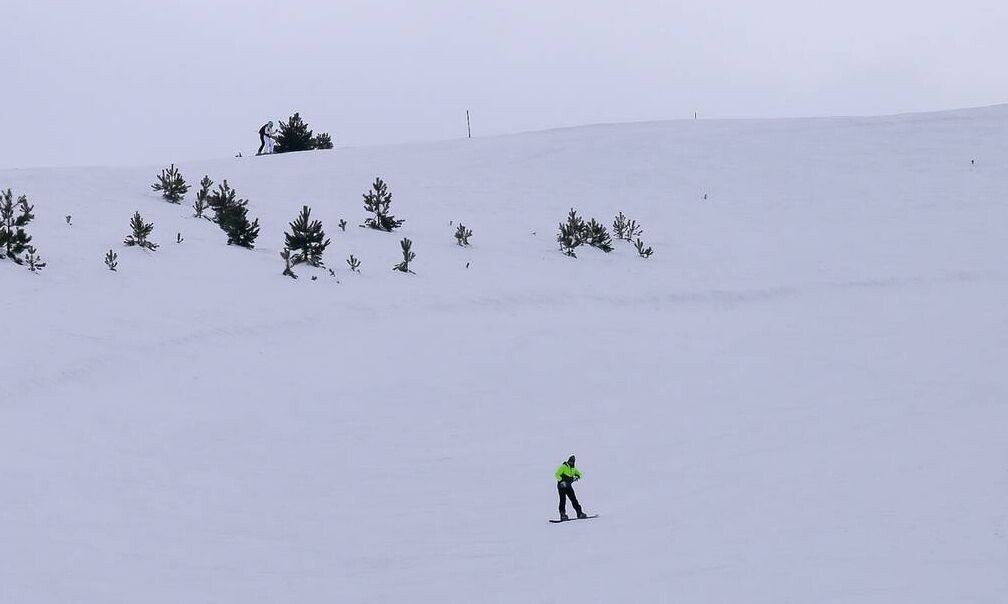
column 801, row 397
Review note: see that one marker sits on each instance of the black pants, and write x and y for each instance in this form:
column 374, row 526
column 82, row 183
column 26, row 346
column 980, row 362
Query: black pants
column 566, row 492
column 262, row 143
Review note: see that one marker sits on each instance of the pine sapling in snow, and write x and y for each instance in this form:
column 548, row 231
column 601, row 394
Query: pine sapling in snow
column 306, row 240
column 642, row 251
column 633, row 231
column 619, row 225
column 231, row 214
column 571, row 234
column 377, row 201
column 171, row 185
column 353, row 263
column 294, row 135
column 202, row 203
column 596, row 235
column 462, row 235
column 141, row 231
column 408, row 256
column 14, row 217
column 33, row 260
column 322, row 141
column 286, row 255
column 111, row 260
column 342, row 225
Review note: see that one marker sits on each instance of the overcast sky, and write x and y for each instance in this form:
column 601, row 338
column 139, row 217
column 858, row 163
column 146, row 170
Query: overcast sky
column 140, row 81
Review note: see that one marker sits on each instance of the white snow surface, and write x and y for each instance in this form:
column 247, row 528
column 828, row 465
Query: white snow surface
column 801, row 397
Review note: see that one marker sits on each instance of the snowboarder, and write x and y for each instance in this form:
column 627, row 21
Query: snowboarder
column 266, row 138
column 566, row 475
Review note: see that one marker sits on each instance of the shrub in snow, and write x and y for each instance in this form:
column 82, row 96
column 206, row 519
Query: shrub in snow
column 596, row 235
column 295, row 135
column 353, row 263
column 141, row 231
column 322, row 141
column 202, row 204
column 633, row 231
column 571, row 234
column 642, row 251
column 111, row 260
column 408, row 256
column 33, row 260
column 619, row 225
column 286, row 255
column 342, row 225
column 14, row 217
column 306, row 240
column 377, row 201
column 171, row 185
column 231, row 215
column 462, row 234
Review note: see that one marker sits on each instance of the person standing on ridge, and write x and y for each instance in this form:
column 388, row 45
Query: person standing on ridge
column 566, row 475
column 266, row 132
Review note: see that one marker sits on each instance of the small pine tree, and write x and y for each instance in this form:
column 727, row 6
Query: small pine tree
column 596, row 235
column 111, row 260
column 353, row 263
column 14, row 217
column 34, row 261
column 233, row 220
column 633, row 231
column 322, row 141
column 377, row 201
column 307, row 239
column 408, row 256
column 642, row 251
column 571, row 234
column 462, row 234
column 141, row 231
column 202, row 204
column 342, row 225
column 286, row 255
column 294, row 135
column 619, row 225
column 171, row 184
column 231, row 214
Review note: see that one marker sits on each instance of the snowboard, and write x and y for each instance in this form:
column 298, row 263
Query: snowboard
column 557, row 521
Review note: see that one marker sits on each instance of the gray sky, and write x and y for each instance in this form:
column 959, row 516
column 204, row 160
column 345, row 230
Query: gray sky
column 141, row 81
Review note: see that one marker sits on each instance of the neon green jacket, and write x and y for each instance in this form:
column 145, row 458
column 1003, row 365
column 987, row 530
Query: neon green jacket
column 567, row 473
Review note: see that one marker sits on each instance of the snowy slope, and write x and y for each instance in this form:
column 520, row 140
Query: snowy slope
column 799, row 398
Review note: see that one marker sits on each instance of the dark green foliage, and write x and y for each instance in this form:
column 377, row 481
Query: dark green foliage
column 462, row 234
column 633, row 231
column 295, row 135
column 306, row 240
column 377, row 201
column 14, row 217
column 408, row 256
column 141, row 231
column 570, row 235
column 111, row 260
column 642, row 251
column 286, row 255
column 171, row 184
column 596, row 235
column 202, row 204
column 231, row 215
column 322, row 141
column 619, row 225
column 33, row 260
column 353, row 263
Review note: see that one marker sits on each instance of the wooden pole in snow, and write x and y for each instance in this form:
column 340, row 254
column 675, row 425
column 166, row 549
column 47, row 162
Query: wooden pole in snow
column 468, row 125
